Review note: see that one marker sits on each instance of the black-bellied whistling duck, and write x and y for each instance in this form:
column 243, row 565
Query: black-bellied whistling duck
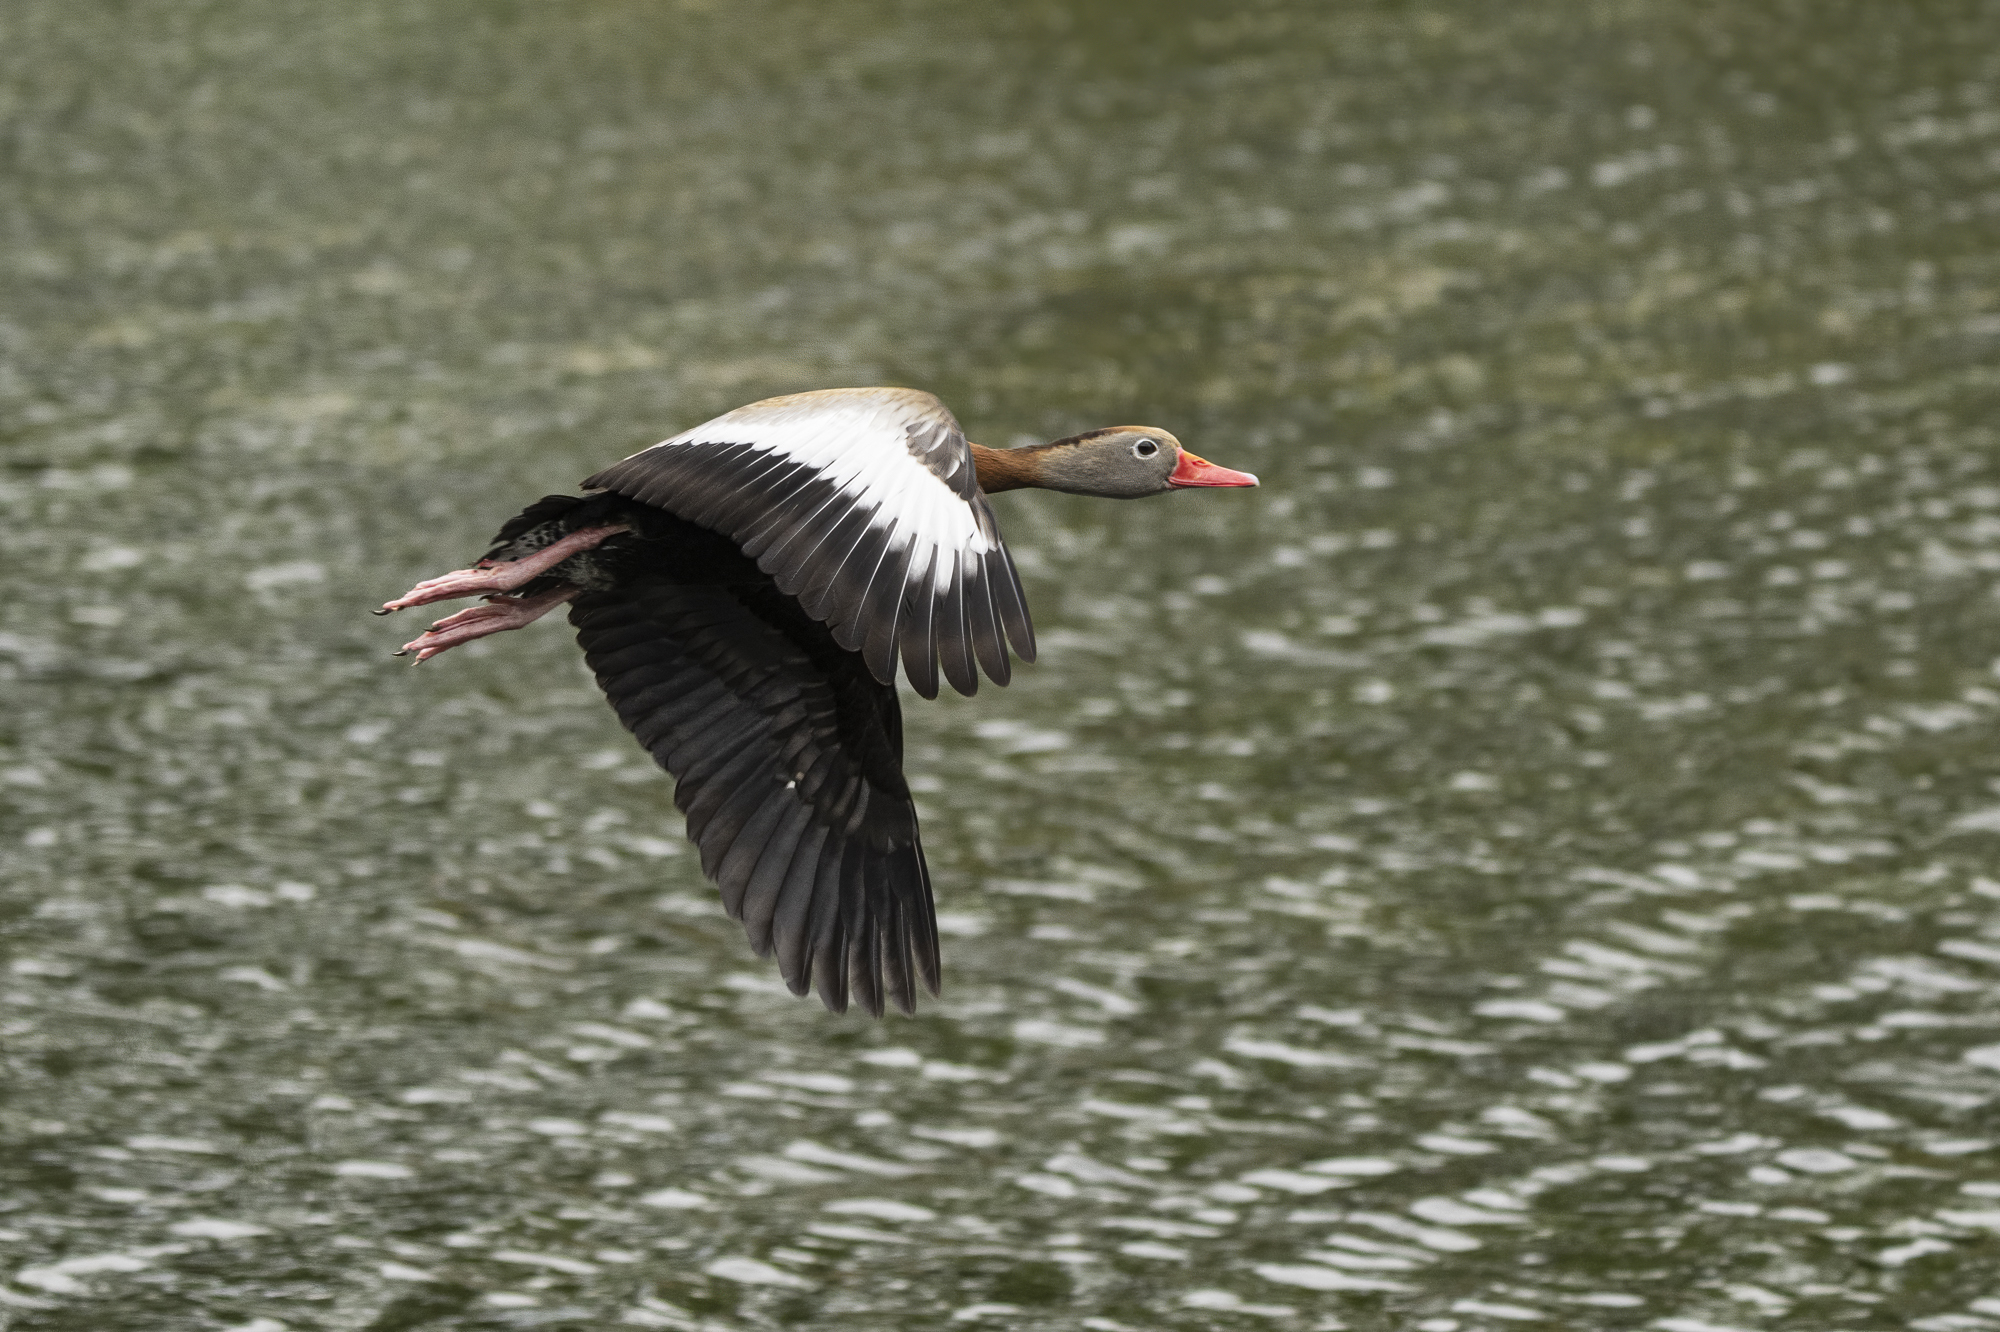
column 743, row 592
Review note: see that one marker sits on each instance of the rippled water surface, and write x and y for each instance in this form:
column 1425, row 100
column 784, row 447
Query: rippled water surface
column 1530, row 864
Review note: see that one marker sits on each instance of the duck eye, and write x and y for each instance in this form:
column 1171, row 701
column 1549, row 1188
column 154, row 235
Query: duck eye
column 1145, row 448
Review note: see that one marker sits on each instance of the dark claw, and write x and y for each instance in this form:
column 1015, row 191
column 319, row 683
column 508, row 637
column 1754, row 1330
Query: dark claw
column 386, row 610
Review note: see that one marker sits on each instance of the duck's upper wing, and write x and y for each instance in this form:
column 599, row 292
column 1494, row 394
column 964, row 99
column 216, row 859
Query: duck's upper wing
column 862, row 504
column 788, row 760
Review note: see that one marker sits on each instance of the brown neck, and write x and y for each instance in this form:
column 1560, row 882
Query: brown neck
column 1006, row 469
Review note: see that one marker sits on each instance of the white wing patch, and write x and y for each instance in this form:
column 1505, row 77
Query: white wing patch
column 857, row 439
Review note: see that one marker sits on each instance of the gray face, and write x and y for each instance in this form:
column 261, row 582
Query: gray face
column 1122, row 462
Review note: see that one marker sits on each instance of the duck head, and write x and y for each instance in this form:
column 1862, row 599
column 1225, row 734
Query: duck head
column 1125, row 462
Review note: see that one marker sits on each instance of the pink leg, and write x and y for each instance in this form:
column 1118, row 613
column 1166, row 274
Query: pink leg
column 504, row 576
column 499, row 614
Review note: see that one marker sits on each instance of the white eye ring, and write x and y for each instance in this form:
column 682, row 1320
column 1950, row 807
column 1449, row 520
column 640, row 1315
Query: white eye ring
column 1145, row 448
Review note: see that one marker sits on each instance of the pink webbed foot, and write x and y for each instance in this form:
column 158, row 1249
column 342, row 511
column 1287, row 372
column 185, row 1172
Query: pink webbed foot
column 502, row 576
column 499, row 614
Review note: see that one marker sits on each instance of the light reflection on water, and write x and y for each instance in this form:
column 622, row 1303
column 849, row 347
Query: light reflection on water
column 1530, row 863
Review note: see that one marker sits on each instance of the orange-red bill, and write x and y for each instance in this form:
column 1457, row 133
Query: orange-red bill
column 1193, row 471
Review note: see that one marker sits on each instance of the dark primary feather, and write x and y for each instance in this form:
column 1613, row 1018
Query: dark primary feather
column 788, row 755
column 919, row 636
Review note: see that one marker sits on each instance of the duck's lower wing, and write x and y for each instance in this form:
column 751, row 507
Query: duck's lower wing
column 787, row 755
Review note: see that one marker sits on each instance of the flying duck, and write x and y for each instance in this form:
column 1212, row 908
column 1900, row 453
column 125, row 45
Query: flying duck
column 743, row 593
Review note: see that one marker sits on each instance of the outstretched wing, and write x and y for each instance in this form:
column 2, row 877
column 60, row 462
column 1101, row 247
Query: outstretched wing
column 863, row 504
column 788, row 760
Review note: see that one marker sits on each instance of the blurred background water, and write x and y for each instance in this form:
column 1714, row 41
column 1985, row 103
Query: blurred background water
column 1530, row 864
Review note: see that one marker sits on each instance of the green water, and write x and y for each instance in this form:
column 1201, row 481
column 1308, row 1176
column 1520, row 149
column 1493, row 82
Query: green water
column 1530, row 864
